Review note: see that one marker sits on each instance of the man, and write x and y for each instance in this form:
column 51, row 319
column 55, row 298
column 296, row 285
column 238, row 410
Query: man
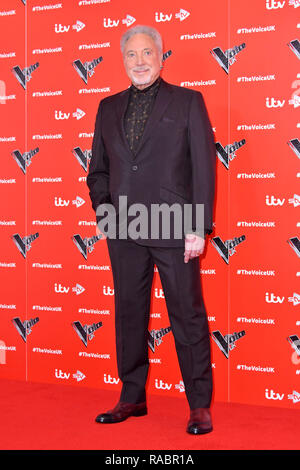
column 154, row 144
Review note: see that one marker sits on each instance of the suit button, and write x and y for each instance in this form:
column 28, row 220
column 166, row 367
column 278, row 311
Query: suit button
column 134, row 167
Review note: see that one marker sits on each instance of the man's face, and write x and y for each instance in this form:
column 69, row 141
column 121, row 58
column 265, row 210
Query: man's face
column 142, row 60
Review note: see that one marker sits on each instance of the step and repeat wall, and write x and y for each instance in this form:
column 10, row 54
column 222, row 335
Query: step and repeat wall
column 58, row 60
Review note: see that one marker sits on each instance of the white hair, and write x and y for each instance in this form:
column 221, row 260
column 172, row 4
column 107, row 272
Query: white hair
column 142, row 29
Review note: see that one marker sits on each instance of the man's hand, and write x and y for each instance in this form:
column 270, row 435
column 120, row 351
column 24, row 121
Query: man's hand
column 194, row 246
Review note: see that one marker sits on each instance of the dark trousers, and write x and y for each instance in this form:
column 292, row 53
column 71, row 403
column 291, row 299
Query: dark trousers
column 133, row 268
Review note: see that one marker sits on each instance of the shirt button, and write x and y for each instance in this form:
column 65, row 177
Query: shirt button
column 134, row 167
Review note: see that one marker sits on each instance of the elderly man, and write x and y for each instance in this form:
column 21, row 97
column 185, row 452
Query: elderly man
column 154, row 144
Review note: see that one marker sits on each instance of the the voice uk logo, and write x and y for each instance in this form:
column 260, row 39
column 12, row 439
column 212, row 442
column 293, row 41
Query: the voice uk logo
column 228, row 153
column 24, row 75
column 227, row 248
column 85, row 245
column 227, row 343
column 86, row 69
column 24, row 244
column 24, row 159
column 155, row 337
column 24, row 328
column 86, row 332
column 227, row 57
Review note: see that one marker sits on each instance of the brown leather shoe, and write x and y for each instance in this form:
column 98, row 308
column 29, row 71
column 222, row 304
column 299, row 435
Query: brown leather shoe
column 200, row 421
column 122, row 411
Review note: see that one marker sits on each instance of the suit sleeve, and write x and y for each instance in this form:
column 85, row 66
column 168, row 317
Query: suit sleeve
column 98, row 174
column 203, row 160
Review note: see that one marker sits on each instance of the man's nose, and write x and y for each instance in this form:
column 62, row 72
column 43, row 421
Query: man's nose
column 140, row 59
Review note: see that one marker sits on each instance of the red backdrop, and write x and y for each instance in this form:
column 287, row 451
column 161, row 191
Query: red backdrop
column 245, row 61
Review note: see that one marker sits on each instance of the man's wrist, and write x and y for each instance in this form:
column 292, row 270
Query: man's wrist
column 199, row 233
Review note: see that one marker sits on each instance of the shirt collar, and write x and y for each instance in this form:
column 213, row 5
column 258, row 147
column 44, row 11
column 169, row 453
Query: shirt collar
column 149, row 88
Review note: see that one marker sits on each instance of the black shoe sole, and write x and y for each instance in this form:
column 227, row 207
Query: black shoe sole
column 195, row 431
column 107, row 419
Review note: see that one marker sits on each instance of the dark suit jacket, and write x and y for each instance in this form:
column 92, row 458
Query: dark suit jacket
column 175, row 161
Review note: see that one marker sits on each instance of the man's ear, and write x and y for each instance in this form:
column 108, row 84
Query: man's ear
column 161, row 56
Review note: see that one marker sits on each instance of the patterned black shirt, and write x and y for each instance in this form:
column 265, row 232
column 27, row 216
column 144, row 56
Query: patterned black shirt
column 139, row 107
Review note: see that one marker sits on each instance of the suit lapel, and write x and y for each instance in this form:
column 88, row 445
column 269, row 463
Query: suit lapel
column 121, row 109
column 163, row 98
